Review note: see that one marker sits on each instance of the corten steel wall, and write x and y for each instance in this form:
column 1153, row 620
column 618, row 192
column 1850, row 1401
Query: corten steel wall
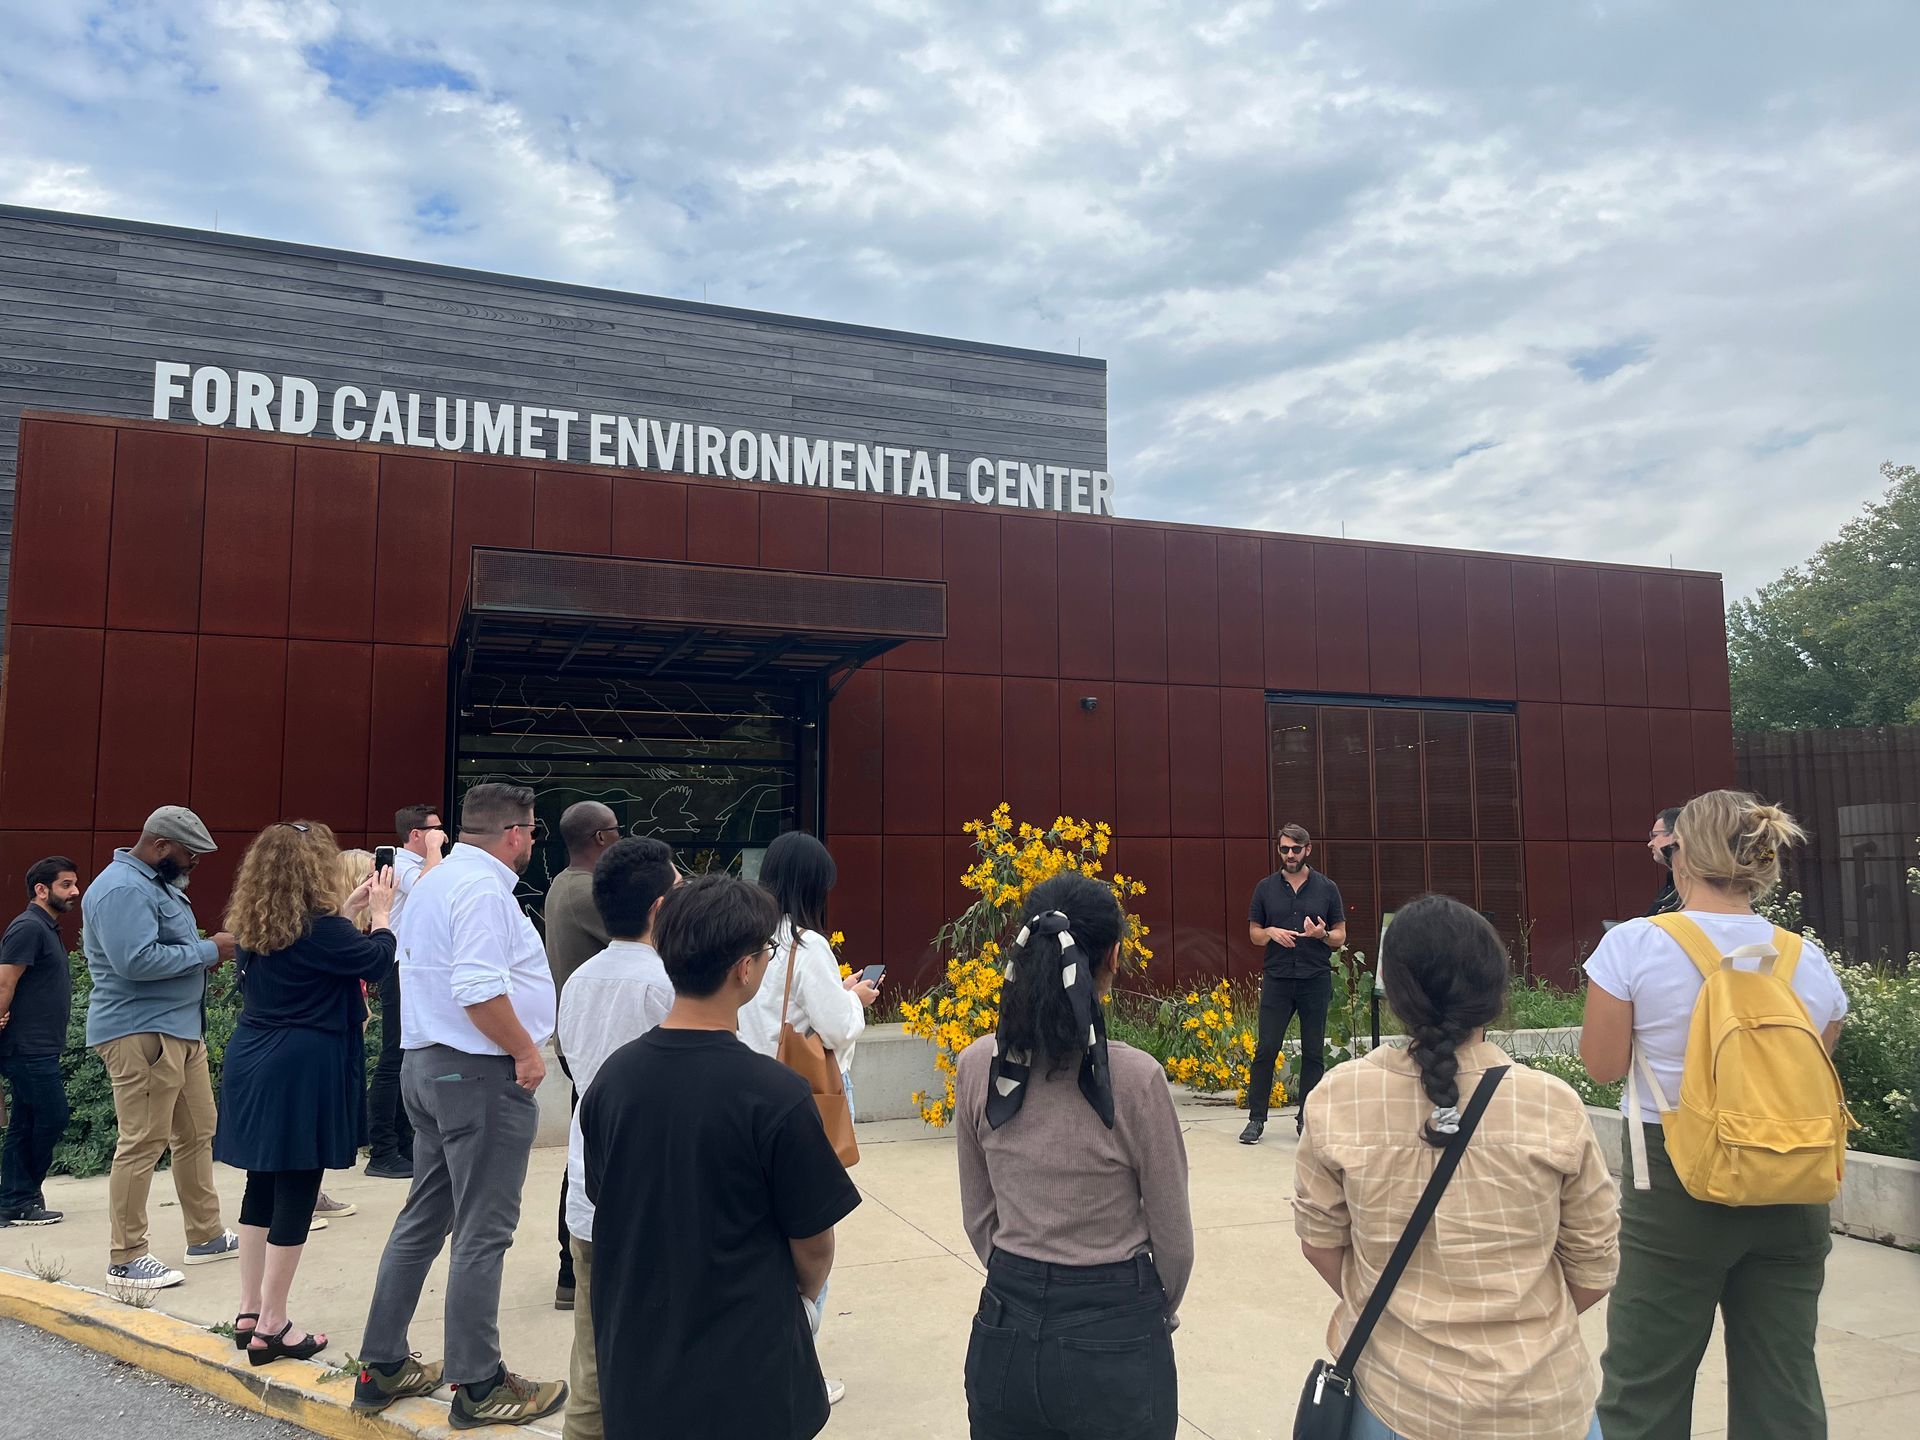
column 260, row 627
column 87, row 305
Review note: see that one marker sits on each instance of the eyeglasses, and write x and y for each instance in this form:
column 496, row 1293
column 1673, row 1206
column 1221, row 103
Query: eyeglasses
column 536, row 828
column 1293, row 849
column 605, row 830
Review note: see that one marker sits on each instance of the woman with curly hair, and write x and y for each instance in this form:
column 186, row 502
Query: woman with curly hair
column 1481, row 1336
column 292, row 1103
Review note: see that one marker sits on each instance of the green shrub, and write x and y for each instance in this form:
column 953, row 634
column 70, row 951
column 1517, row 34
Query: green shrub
column 1569, row 1069
column 1879, row 1059
column 1534, row 1004
column 87, row 1147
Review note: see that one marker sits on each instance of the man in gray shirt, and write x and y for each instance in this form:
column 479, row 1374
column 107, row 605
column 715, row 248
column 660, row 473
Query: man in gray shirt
column 147, row 1023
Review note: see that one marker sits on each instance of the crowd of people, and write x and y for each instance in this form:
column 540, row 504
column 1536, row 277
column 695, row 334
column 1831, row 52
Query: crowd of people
column 702, row 1191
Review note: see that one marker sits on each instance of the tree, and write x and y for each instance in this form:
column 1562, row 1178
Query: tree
column 1836, row 641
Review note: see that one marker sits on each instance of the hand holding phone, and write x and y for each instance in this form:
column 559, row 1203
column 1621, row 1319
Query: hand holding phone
column 873, row 973
column 383, row 857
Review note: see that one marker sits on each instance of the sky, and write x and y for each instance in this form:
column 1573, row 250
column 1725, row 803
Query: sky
column 1618, row 281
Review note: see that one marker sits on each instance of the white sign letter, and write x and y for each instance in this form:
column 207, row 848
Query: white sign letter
column 455, row 439
column 344, row 428
column 492, row 429
column 980, row 481
column 299, row 405
column 531, row 440
column 743, row 455
column 167, row 375
column 1102, row 493
column 212, row 395
column 256, row 394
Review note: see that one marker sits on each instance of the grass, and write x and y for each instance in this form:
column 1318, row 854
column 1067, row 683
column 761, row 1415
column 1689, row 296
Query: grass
column 1534, row 1004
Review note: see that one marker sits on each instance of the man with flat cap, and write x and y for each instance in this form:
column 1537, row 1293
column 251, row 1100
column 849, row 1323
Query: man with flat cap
column 147, row 1022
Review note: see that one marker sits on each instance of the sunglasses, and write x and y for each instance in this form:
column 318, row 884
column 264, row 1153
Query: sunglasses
column 291, row 825
column 1293, row 849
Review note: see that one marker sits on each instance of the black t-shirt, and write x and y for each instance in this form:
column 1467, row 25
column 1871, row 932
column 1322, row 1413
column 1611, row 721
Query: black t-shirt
column 703, row 1159
column 43, row 998
column 1277, row 903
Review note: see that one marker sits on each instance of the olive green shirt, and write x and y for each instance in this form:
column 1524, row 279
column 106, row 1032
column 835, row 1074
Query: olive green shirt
column 575, row 933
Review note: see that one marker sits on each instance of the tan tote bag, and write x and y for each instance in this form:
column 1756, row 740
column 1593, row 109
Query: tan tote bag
column 808, row 1057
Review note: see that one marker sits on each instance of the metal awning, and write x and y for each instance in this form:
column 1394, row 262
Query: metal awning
column 534, row 613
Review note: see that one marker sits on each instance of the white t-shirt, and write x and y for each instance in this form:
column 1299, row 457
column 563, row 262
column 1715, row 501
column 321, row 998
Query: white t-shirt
column 821, row 1002
column 1639, row 963
column 617, row 996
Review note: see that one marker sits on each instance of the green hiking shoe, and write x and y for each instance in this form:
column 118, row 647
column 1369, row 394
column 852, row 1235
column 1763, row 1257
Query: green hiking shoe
column 375, row 1389
column 510, row 1400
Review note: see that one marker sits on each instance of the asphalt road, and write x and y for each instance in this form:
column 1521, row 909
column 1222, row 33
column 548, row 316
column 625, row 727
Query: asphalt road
column 57, row 1391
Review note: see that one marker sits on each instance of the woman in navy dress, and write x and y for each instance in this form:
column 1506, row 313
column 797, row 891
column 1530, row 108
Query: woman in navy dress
column 292, row 1103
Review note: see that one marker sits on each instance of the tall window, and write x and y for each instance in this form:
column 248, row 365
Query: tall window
column 1402, row 801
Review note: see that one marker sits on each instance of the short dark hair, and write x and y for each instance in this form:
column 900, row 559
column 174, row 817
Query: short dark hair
column 494, row 806
column 1294, row 832
column 798, row 872
column 1670, row 817
column 409, row 818
column 581, row 821
column 627, row 879
column 709, row 925
column 45, row 872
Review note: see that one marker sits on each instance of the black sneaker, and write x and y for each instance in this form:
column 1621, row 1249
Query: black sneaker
column 510, row 1400
column 390, row 1167
column 31, row 1215
column 1251, row 1135
column 376, row 1389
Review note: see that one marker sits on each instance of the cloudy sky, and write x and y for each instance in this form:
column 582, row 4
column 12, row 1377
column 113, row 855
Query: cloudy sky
column 1612, row 279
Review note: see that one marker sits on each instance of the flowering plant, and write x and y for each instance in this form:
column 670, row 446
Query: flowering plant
column 1012, row 861
column 1213, row 1047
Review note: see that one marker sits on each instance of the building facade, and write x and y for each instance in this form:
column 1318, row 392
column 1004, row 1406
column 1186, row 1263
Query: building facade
column 929, row 613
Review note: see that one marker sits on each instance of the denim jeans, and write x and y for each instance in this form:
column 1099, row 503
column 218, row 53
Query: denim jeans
column 1062, row 1352
column 1368, row 1426
column 38, row 1120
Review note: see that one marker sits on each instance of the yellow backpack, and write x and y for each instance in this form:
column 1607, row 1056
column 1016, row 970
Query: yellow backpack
column 1761, row 1117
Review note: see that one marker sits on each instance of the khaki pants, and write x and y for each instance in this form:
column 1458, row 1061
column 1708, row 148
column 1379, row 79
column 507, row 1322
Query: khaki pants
column 583, row 1374
column 162, row 1099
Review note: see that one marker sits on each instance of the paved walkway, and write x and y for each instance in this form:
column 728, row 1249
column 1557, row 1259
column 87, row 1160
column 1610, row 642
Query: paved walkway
column 907, row 1282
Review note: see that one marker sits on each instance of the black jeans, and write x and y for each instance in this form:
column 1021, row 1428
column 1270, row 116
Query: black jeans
column 1280, row 1001
column 565, row 1278
column 389, row 1131
column 1061, row 1352
column 39, row 1119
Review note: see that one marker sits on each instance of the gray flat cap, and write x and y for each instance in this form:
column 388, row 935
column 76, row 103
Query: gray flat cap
column 176, row 822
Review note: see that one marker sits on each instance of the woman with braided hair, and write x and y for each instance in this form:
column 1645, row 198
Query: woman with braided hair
column 1760, row 1266
column 1073, row 1186
column 1481, row 1336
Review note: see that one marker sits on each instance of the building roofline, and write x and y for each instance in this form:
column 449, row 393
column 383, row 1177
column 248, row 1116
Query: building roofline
column 543, row 287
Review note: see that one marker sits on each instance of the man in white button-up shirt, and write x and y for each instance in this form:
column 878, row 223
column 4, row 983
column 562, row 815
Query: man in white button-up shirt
column 480, row 1003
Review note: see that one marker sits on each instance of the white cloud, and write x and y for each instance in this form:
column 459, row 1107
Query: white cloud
column 1622, row 282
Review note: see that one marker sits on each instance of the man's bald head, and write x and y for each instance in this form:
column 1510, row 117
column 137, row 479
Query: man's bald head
column 587, row 828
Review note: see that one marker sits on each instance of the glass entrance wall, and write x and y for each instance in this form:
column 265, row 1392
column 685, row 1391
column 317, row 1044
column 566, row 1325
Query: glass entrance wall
column 714, row 770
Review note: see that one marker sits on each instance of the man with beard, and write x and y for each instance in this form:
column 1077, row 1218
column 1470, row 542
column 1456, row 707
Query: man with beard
column 480, row 1004
column 147, row 1023
column 1661, row 843
column 1297, row 914
column 36, row 1002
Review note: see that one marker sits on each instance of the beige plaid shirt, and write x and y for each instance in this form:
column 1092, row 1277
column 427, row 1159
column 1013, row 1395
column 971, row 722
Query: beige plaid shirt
column 1480, row 1337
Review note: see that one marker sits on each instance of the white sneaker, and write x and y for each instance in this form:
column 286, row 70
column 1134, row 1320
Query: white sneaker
column 836, row 1392
column 224, row 1246
column 146, row 1273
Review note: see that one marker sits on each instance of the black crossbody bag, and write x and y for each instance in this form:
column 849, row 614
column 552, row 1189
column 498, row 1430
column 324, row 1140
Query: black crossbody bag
column 1328, row 1402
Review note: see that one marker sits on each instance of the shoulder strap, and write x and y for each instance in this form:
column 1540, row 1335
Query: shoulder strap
column 1417, row 1224
column 793, row 964
column 1688, row 935
column 1788, row 947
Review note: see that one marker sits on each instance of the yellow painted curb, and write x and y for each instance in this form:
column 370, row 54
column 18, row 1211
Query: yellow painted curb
column 180, row 1351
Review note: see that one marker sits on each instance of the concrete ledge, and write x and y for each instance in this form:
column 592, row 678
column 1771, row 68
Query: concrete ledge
column 889, row 1068
column 297, row 1391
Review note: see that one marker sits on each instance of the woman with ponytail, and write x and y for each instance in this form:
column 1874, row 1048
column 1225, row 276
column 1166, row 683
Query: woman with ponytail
column 1073, row 1186
column 1481, row 1336
column 1681, row 1259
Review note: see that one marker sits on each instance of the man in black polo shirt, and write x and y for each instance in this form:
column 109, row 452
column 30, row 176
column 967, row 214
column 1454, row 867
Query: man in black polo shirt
column 1297, row 914
column 36, row 998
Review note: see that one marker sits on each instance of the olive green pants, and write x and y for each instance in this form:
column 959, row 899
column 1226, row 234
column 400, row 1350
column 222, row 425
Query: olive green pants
column 1762, row 1266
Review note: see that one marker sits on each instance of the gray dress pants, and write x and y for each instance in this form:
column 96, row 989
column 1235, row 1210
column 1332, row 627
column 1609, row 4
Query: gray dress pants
column 473, row 1130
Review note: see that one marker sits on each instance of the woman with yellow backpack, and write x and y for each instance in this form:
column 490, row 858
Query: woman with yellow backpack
column 1723, row 1027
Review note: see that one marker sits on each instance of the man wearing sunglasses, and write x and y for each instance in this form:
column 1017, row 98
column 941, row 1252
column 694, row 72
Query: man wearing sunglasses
column 1297, row 914
column 575, row 933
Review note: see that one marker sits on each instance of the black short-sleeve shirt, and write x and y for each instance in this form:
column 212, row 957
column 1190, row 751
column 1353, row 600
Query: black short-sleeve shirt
column 703, row 1159
column 43, row 997
column 1277, row 903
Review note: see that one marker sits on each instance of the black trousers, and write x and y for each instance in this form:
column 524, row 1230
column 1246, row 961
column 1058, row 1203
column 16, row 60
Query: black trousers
column 1280, row 1000
column 565, row 1278
column 38, row 1120
column 1071, row 1352
column 281, row 1203
column 389, row 1131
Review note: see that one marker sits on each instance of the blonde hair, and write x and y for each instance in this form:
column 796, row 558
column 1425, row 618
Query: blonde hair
column 1731, row 841
column 356, row 866
column 289, row 875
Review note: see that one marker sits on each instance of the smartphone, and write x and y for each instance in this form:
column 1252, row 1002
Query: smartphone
column 873, row 973
column 382, row 858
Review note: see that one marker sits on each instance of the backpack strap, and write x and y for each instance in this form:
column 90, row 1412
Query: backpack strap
column 1787, row 948
column 1682, row 930
column 1637, row 1067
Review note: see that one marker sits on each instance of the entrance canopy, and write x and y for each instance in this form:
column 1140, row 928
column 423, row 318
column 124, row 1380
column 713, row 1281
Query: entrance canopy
column 531, row 613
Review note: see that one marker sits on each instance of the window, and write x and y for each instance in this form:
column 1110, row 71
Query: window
column 1403, row 800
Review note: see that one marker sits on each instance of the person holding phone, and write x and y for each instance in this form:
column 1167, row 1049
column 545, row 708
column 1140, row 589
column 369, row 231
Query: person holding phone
column 422, row 842
column 1297, row 914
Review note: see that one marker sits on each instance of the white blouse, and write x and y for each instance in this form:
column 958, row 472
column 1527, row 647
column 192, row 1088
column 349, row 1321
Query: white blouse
column 821, row 1004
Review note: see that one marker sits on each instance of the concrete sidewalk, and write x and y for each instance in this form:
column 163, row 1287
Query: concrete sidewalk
column 906, row 1285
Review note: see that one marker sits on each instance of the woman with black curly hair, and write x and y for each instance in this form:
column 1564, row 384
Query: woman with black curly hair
column 1481, row 1335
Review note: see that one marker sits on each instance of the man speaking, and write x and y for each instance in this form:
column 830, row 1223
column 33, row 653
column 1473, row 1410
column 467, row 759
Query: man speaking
column 1297, row 914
